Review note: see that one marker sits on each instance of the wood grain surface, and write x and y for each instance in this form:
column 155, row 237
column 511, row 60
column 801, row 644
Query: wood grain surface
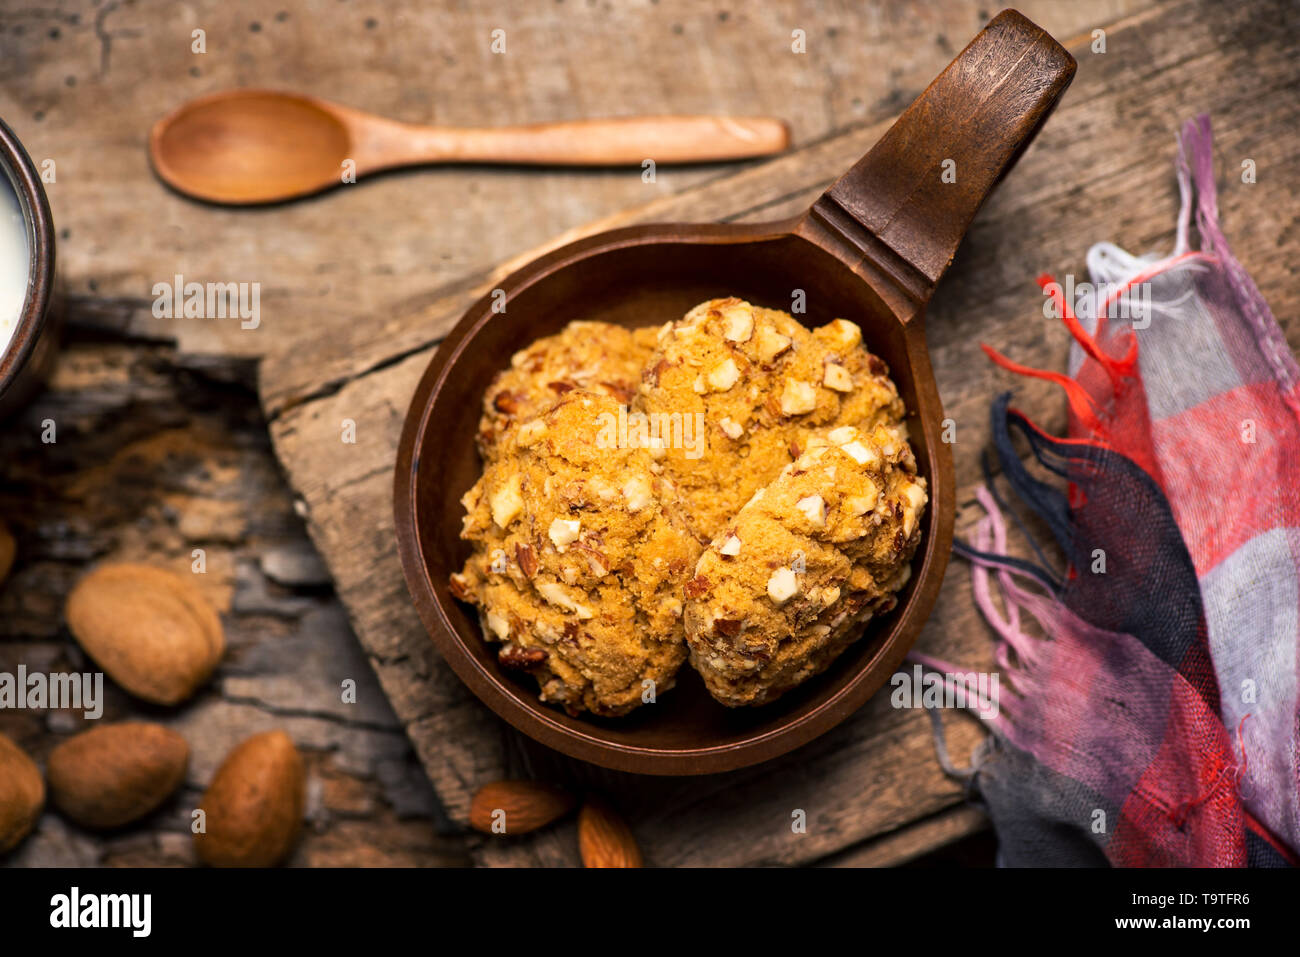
column 155, row 455
column 1101, row 169
column 83, row 81
column 359, row 285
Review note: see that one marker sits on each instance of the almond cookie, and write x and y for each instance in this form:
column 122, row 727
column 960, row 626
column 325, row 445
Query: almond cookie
column 786, row 585
column 579, row 559
column 593, row 356
column 754, row 384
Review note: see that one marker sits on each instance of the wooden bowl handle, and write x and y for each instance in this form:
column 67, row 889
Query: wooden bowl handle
column 907, row 203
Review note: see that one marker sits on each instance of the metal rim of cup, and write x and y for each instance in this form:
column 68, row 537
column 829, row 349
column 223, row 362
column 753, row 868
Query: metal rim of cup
column 26, row 182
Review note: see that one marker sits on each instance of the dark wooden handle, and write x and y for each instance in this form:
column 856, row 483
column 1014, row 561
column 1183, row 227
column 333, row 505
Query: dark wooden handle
column 907, row 203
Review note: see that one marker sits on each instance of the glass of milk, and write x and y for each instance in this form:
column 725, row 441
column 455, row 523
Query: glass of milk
column 28, row 337
column 15, row 262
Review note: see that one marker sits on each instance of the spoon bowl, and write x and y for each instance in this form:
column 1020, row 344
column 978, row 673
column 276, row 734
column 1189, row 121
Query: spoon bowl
column 871, row 250
column 251, row 146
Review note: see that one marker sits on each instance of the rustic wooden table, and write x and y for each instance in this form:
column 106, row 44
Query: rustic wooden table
column 163, row 445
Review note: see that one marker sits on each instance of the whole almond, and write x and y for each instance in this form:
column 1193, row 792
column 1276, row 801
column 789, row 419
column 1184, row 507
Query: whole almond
column 114, row 774
column 22, row 794
column 253, row 808
column 7, row 549
column 152, row 631
column 604, row 839
column 517, row 807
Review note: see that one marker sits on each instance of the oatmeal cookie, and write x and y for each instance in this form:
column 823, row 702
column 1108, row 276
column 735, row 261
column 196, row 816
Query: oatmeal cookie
column 759, row 383
column 785, row 586
column 593, row 356
column 579, row 559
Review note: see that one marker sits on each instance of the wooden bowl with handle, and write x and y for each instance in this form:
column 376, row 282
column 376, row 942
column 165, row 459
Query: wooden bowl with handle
column 871, row 250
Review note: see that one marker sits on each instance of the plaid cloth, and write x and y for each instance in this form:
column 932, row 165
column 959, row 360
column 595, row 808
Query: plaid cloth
column 1157, row 722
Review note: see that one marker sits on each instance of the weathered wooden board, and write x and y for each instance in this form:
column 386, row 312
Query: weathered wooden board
column 156, row 455
column 1101, row 169
column 82, row 82
column 915, row 840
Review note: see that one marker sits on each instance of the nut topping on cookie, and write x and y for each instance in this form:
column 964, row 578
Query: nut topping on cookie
column 845, row 334
column 733, row 430
column 837, row 377
column 564, row 531
column 597, row 356
column 530, row 432
column 739, row 320
column 724, row 375
column 771, row 344
column 814, row 509
column 507, row 502
column 851, row 523
column 512, row 656
column 782, row 586
column 860, row 504
column 588, row 560
column 860, row 453
column 637, row 493
column 554, row 593
column 696, row 587
column 596, row 557
column 498, row 625
column 527, row 559
column 460, row 587
column 798, row 397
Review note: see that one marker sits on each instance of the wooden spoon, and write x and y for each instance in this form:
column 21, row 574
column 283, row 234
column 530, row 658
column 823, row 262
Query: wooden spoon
column 261, row 146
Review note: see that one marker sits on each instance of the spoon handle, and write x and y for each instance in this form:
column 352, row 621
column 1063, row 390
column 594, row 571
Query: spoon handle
column 628, row 141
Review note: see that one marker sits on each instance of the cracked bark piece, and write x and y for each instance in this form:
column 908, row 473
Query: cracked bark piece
column 762, row 383
column 786, row 585
column 579, row 559
column 593, row 356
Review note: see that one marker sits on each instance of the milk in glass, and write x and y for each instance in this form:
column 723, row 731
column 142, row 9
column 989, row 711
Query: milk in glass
column 15, row 262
